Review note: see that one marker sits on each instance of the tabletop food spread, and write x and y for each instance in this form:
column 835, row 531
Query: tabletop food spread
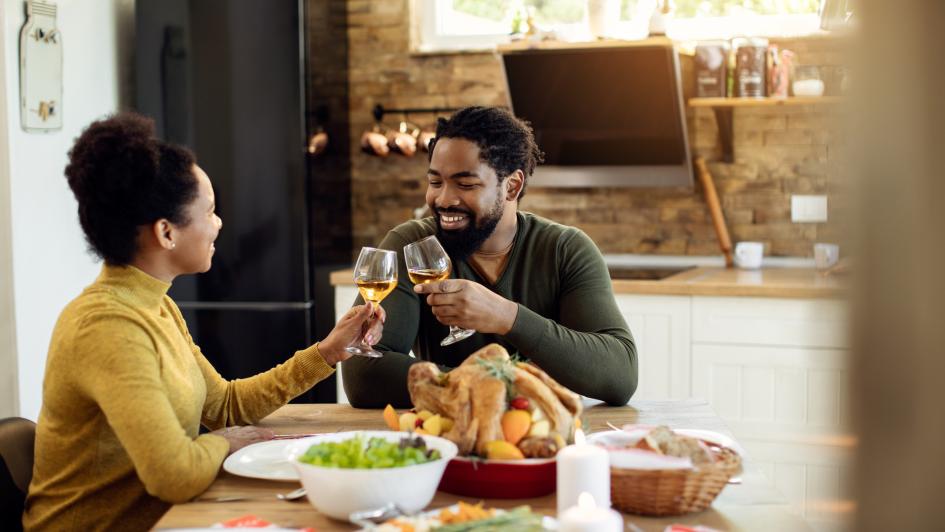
column 494, row 444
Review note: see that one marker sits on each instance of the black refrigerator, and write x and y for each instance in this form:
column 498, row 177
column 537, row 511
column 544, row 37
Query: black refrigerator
column 228, row 79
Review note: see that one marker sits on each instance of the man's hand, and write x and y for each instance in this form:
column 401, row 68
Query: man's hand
column 469, row 305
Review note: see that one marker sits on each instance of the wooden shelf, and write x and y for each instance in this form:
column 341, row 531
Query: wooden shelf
column 763, row 102
column 724, row 113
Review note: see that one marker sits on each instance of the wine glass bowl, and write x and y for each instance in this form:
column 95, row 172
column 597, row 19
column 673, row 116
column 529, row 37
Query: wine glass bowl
column 427, row 262
column 375, row 273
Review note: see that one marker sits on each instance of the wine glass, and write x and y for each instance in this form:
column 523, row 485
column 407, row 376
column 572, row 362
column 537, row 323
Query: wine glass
column 376, row 276
column 428, row 262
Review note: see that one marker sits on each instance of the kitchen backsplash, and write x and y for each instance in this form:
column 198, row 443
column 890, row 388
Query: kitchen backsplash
column 779, row 152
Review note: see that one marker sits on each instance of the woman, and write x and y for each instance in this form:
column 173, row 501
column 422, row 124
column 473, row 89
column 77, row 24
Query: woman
column 126, row 388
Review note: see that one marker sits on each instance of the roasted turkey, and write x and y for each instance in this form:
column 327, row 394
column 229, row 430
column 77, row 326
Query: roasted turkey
column 477, row 393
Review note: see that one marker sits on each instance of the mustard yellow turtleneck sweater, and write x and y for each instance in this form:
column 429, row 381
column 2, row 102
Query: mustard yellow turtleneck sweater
column 125, row 392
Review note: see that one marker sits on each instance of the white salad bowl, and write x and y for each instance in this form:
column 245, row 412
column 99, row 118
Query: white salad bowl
column 338, row 492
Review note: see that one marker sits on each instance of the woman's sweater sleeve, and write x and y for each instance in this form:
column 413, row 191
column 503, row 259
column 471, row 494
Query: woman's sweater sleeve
column 246, row 401
column 123, row 376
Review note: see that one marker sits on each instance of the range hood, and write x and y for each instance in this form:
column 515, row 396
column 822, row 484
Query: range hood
column 604, row 116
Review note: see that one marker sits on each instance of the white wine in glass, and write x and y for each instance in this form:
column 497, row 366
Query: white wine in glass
column 427, row 262
column 428, row 276
column 376, row 276
column 375, row 291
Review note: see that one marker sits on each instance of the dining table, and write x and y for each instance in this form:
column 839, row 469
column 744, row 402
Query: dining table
column 751, row 504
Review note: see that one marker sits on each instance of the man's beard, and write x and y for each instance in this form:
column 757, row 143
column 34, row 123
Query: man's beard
column 461, row 243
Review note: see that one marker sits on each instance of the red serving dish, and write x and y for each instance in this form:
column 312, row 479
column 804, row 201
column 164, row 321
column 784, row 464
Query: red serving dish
column 499, row 479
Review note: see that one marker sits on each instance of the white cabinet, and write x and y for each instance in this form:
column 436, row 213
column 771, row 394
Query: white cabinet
column 814, row 477
column 777, row 370
column 660, row 327
column 761, row 391
column 344, row 298
column 772, row 365
column 769, row 321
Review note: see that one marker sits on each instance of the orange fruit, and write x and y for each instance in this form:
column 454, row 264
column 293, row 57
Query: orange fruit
column 390, row 417
column 515, row 425
column 502, row 450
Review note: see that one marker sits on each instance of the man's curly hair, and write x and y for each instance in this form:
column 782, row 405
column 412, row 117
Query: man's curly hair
column 506, row 143
column 124, row 178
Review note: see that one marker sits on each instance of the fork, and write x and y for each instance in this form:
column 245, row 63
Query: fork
column 294, row 436
column 291, row 496
column 370, row 518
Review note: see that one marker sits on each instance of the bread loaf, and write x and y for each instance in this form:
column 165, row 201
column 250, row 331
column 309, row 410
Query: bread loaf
column 663, row 440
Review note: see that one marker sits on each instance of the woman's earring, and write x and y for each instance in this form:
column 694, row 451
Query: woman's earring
column 173, row 245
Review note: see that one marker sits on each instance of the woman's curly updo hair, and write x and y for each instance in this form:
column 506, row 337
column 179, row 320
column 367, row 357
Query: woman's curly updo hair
column 123, row 178
column 506, row 142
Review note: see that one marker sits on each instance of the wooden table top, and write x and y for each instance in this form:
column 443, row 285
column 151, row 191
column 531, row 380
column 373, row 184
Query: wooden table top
column 752, row 505
column 806, row 283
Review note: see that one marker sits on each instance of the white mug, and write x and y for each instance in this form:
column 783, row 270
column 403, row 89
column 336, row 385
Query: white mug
column 826, row 255
column 748, row 255
column 601, row 16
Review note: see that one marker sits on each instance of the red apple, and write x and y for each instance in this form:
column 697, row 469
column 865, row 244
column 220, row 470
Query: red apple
column 519, row 403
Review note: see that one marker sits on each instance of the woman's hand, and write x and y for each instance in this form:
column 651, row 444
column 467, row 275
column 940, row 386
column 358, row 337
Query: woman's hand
column 240, row 437
column 362, row 320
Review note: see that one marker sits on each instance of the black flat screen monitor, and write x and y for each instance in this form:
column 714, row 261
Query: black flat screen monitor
column 608, row 116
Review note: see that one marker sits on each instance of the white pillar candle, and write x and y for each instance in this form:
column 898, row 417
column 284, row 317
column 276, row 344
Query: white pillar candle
column 588, row 517
column 582, row 468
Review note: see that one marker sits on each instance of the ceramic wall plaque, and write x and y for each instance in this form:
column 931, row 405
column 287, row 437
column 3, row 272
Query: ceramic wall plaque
column 40, row 69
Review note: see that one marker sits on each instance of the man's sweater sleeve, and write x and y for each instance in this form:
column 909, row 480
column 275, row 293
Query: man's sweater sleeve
column 375, row 382
column 589, row 349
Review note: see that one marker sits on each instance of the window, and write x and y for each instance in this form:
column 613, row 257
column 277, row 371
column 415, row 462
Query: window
column 481, row 24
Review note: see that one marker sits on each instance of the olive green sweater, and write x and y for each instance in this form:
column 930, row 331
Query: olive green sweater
column 124, row 394
column 568, row 322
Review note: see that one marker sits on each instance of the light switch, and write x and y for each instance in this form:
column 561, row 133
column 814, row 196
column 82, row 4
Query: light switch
column 811, row 209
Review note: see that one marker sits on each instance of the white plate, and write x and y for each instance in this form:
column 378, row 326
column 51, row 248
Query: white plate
column 716, row 438
column 632, row 433
column 266, row 460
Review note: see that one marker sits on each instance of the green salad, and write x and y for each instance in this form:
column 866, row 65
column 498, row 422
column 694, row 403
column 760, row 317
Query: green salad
column 377, row 453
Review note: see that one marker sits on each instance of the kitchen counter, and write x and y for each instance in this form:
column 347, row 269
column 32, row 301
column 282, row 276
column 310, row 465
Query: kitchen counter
column 714, row 281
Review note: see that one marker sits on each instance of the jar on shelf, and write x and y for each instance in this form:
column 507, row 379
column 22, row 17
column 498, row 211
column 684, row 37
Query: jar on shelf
column 807, row 82
column 751, row 56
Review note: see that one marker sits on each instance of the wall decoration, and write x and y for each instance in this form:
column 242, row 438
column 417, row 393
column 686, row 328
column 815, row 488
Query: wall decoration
column 40, row 69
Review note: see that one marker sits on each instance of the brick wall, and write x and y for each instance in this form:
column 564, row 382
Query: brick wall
column 328, row 107
column 779, row 152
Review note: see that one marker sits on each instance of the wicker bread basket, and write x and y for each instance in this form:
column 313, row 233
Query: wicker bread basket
column 662, row 492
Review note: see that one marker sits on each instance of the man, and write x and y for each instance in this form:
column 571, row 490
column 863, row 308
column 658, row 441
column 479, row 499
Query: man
column 538, row 288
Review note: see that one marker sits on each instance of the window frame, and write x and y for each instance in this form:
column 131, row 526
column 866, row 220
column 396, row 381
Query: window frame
column 425, row 39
